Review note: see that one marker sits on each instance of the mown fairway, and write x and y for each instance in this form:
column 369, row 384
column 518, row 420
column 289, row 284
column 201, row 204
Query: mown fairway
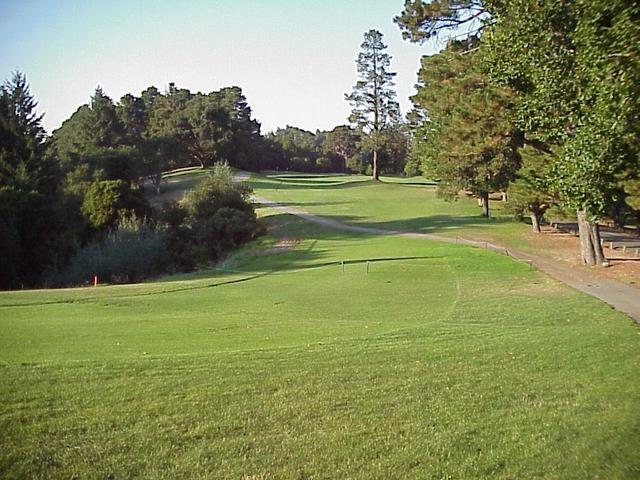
column 442, row 362
column 414, row 207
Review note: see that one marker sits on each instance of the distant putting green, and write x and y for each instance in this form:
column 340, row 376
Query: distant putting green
column 349, row 356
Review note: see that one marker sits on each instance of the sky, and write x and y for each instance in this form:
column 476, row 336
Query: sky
column 293, row 59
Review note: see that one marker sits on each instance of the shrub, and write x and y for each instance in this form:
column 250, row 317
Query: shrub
column 108, row 200
column 324, row 164
column 131, row 252
column 178, row 237
column 215, row 217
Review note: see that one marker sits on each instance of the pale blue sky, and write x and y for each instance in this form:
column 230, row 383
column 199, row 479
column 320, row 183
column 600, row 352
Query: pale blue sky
column 293, row 59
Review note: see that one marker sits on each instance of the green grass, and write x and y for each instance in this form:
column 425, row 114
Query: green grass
column 395, row 203
column 442, row 361
column 418, row 180
column 183, row 178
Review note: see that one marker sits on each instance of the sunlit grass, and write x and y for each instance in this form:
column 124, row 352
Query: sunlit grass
column 413, row 360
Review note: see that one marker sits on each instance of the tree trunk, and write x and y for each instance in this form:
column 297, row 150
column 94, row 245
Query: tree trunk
column 374, row 172
column 157, row 180
column 594, row 233
column 590, row 247
column 536, row 216
column 484, row 199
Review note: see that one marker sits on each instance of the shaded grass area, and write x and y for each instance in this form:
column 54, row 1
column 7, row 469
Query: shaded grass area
column 442, row 362
column 183, row 179
column 416, row 180
column 391, row 205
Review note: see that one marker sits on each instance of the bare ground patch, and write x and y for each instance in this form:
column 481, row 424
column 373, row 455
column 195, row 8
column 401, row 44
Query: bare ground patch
column 281, row 246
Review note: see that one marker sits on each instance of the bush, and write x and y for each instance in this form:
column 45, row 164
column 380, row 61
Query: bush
column 130, row 253
column 359, row 163
column 178, row 237
column 324, row 164
column 108, row 200
column 212, row 219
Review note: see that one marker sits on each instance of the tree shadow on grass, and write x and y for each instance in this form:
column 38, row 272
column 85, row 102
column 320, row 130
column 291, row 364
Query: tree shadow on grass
column 428, row 224
column 307, row 204
column 302, row 184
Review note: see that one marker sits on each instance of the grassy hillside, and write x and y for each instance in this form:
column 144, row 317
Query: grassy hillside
column 441, row 362
column 395, row 203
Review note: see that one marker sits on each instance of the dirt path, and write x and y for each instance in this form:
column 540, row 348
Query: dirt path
column 617, row 294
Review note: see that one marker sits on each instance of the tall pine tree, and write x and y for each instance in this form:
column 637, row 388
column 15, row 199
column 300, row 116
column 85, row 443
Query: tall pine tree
column 373, row 97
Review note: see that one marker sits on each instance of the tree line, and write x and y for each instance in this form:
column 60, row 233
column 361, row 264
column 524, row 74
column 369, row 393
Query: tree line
column 539, row 98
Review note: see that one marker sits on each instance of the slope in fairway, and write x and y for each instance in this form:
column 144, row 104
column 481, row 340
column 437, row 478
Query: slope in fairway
column 441, row 361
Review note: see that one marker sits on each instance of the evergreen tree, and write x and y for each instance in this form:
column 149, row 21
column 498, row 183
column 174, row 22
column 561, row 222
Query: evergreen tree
column 22, row 147
column 149, row 97
column 341, row 142
column 134, row 118
column 108, row 201
column 576, row 69
column 421, row 20
column 242, row 147
column 467, row 139
column 107, row 129
column 373, row 96
column 28, row 181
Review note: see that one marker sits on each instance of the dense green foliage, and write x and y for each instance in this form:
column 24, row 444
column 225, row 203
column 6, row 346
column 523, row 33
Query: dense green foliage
column 530, row 193
column 578, row 87
column 421, row 20
column 466, row 138
column 108, row 201
column 299, row 150
column 177, row 128
column 63, row 196
column 343, row 149
column 29, row 221
column 211, row 220
column 132, row 251
column 574, row 72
